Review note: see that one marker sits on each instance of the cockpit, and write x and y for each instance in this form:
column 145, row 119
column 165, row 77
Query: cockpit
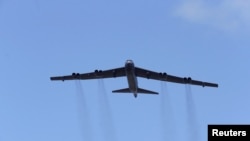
column 129, row 63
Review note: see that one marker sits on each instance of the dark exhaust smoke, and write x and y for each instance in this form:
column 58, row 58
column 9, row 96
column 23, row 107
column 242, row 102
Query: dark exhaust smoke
column 83, row 113
column 106, row 120
column 166, row 114
column 192, row 128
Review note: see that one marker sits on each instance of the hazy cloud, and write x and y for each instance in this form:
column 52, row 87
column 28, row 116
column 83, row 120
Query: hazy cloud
column 223, row 14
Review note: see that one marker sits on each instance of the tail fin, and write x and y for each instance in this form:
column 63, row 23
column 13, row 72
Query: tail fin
column 139, row 90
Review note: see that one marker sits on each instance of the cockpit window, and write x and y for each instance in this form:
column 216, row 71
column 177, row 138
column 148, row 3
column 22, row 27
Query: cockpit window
column 129, row 61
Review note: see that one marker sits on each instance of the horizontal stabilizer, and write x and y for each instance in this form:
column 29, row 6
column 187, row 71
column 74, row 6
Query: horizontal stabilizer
column 126, row 90
column 139, row 90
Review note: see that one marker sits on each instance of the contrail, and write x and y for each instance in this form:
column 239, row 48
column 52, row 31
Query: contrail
column 106, row 121
column 193, row 131
column 83, row 113
column 166, row 114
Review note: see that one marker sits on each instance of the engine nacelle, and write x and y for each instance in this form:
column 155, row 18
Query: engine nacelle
column 162, row 73
column 76, row 75
column 98, row 71
column 165, row 74
column 185, row 79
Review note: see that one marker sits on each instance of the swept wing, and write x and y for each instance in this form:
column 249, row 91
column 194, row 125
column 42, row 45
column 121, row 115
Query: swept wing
column 170, row 78
column 97, row 74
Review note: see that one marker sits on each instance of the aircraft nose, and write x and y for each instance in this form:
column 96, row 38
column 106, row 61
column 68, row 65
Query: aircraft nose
column 129, row 61
column 129, row 64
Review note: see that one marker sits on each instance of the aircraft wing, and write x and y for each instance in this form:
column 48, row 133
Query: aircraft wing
column 170, row 78
column 97, row 74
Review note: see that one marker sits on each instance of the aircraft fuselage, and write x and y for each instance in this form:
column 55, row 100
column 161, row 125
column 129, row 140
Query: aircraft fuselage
column 132, row 79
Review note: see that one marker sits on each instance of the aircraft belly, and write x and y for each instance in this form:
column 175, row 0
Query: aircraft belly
column 132, row 81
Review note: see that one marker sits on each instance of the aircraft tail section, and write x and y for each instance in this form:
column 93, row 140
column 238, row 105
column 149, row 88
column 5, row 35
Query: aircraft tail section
column 144, row 91
column 126, row 90
column 139, row 90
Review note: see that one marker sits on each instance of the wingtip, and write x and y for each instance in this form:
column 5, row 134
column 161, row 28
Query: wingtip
column 216, row 85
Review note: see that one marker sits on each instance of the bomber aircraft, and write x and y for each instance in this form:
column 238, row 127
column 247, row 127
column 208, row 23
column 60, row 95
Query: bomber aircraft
column 132, row 72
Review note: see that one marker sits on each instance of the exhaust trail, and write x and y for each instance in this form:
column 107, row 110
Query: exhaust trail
column 167, row 118
column 83, row 113
column 193, row 131
column 106, row 120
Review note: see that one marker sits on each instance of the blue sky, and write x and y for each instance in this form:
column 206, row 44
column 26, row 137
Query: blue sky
column 205, row 40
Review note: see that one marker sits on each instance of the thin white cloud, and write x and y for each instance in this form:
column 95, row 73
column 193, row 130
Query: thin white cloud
column 223, row 14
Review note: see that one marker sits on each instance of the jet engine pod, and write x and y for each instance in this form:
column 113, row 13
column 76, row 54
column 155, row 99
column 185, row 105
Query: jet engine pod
column 75, row 74
column 203, row 84
column 189, row 79
column 98, row 71
column 165, row 74
column 185, row 79
column 162, row 73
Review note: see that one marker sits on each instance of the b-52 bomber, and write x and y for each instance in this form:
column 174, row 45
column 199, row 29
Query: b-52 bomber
column 132, row 72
